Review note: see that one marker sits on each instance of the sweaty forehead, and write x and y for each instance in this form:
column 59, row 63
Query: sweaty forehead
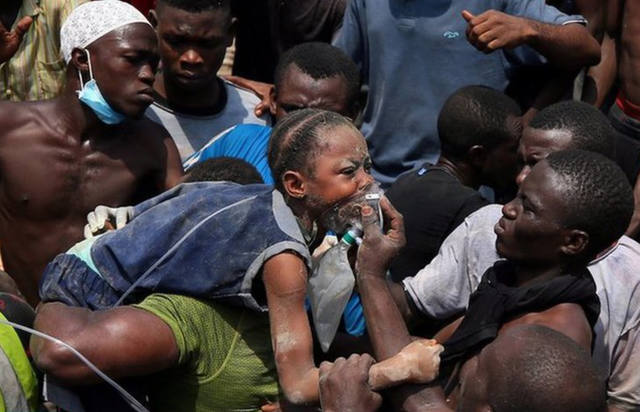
column 544, row 141
column 546, row 188
column 187, row 23
column 298, row 84
column 135, row 36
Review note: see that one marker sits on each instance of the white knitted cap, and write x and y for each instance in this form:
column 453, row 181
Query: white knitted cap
column 90, row 21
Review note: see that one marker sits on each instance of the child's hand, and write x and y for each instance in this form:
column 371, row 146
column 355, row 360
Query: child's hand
column 377, row 248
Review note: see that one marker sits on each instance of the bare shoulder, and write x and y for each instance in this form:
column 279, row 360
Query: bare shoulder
column 159, row 151
column 149, row 131
column 285, row 273
column 566, row 318
column 15, row 116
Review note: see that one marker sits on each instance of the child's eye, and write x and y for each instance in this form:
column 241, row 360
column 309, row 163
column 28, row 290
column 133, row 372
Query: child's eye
column 348, row 171
column 367, row 166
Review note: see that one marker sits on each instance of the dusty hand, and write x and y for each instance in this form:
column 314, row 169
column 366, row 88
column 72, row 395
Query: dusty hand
column 493, row 30
column 103, row 218
column 344, row 385
column 10, row 40
column 418, row 362
column 377, row 248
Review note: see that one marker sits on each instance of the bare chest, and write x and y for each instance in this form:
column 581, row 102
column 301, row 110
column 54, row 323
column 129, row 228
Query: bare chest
column 53, row 177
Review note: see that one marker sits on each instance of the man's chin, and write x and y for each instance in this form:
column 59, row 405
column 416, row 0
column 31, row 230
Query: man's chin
column 499, row 248
column 193, row 84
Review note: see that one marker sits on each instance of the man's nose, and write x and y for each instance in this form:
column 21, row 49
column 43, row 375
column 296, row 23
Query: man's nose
column 147, row 74
column 509, row 210
column 191, row 57
column 523, row 174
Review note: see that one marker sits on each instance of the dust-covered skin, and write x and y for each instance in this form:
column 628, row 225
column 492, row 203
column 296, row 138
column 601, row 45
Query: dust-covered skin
column 418, row 362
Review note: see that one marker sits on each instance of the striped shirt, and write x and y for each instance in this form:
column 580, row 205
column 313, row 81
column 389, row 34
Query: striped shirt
column 37, row 71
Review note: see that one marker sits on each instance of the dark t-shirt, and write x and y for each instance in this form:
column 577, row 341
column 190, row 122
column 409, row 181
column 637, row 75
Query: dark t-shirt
column 628, row 156
column 268, row 28
column 433, row 203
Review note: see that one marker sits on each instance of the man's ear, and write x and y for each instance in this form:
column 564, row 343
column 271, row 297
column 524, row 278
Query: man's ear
column 153, row 18
column 575, row 242
column 294, row 184
column 79, row 60
column 476, row 156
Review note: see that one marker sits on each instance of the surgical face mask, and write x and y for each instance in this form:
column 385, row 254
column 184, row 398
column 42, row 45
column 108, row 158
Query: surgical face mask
column 91, row 96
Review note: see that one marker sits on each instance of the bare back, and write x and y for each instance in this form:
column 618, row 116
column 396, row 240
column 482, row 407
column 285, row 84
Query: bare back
column 629, row 49
column 50, row 180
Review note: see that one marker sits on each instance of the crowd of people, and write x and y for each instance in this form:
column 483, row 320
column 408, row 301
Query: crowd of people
column 174, row 238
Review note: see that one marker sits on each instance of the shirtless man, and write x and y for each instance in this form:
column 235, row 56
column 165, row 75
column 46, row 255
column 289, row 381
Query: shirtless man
column 512, row 374
column 625, row 113
column 550, row 212
column 60, row 158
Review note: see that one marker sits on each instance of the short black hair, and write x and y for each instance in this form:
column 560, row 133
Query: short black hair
column 597, row 195
column 227, row 169
column 477, row 115
column 197, row 6
column 321, row 61
column 296, row 138
column 548, row 372
column 589, row 127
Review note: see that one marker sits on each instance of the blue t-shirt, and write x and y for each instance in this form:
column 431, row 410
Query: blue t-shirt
column 413, row 55
column 248, row 142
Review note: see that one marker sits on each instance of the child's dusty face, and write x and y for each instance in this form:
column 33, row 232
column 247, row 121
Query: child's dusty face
column 340, row 169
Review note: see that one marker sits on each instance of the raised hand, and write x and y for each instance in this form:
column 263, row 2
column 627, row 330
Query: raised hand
column 10, row 40
column 377, row 248
column 493, row 30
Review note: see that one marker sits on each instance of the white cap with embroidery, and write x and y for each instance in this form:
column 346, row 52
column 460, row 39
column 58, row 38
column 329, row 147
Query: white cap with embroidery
column 90, row 21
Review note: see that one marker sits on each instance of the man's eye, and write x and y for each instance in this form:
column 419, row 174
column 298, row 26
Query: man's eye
column 173, row 41
column 132, row 59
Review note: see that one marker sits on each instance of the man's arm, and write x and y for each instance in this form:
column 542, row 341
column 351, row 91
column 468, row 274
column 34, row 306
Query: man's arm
column 124, row 341
column 634, row 225
column 602, row 23
column 285, row 280
column 173, row 172
column 623, row 386
column 568, row 46
column 385, row 324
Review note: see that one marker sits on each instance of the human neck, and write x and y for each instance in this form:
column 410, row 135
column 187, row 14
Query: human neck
column 460, row 170
column 77, row 119
column 202, row 101
column 307, row 223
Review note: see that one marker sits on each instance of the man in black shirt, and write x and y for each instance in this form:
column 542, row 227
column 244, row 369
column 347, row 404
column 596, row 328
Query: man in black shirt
column 479, row 130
